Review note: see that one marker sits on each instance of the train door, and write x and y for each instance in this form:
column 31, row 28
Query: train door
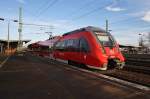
column 84, row 51
column 60, row 50
column 73, row 50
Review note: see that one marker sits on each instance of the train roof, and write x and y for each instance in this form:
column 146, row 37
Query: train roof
column 89, row 28
column 92, row 28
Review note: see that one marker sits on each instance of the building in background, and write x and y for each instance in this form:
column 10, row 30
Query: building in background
column 128, row 49
column 13, row 44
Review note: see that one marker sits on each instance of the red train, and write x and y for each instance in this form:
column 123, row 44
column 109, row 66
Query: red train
column 90, row 46
column 43, row 48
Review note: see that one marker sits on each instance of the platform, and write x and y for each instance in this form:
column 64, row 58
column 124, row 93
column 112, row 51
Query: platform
column 30, row 77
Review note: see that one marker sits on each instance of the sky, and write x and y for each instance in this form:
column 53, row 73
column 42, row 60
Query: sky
column 127, row 18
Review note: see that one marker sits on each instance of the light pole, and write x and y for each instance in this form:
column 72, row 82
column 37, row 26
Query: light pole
column 8, row 35
column 8, row 30
column 106, row 26
column 8, row 40
column 1, row 45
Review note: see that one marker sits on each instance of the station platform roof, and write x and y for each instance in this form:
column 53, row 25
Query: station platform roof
column 13, row 41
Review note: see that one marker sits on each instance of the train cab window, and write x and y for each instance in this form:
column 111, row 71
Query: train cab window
column 105, row 40
column 84, row 47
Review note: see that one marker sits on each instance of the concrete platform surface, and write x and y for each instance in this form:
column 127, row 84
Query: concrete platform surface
column 29, row 77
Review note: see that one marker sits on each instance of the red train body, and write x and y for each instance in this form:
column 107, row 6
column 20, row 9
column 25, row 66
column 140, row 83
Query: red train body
column 43, row 48
column 90, row 46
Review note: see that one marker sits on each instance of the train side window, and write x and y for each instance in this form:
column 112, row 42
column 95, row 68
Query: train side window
column 76, row 45
column 60, row 46
column 69, row 45
column 63, row 45
column 57, row 45
column 84, row 47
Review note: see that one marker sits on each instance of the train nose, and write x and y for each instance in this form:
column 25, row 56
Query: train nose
column 110, row 52
column 115, row 63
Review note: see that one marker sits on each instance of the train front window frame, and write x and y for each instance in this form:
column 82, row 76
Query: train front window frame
column 105, row 39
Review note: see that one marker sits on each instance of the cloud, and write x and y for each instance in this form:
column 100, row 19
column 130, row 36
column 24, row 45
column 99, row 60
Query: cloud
column 113, row 7
column 146, row 17
column 21, row 1
column 137, row 14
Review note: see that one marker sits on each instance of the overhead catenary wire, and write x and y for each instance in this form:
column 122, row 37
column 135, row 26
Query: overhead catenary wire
column 42, row 6
column 40, row 11
column 100, row 8
column 133, row 18
column 81, row 16
column 38, row 25
column 125, row 20
column 136, row 18
column 90, row 12
column 46, row 7
column 83, row 7
column 138, row 28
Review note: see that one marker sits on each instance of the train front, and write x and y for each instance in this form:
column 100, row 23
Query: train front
column 111, row 50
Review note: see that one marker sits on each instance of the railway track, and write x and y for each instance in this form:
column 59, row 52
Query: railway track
column 138, row 62
column 138, row 69
column 138, row 59
column 130, row 76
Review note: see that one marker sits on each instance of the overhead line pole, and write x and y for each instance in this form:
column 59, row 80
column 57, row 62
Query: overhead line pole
column 20, row 28
column 106, row 26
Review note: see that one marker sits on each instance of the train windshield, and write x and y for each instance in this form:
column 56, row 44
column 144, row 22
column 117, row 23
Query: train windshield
column 105, row 40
